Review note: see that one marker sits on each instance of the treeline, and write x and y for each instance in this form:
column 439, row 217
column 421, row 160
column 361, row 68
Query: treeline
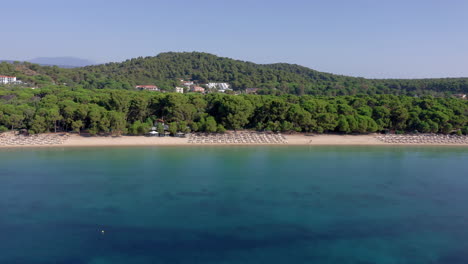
column 166, row 70
column 134, row 112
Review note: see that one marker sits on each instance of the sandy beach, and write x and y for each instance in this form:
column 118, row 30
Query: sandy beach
column 74, row 140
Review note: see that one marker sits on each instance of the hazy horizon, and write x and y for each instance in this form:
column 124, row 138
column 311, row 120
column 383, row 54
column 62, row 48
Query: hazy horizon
column 390, row 39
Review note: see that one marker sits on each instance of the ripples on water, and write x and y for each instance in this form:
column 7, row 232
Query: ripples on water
column 234, row 205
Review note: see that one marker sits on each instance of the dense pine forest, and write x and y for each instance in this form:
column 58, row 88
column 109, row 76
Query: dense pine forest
column 166, row 70
column 102, row 100
column 118, row 111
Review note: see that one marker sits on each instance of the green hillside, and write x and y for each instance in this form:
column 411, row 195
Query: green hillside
column 166, row 69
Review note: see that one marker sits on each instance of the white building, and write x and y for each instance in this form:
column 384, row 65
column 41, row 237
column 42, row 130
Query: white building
column 187, row 83
column 7, row 79
column 179, row 90
column 222, row 87
column 153, row 88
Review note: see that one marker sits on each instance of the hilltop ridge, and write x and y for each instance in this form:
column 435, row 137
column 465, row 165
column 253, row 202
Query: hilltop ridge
column 166, row 70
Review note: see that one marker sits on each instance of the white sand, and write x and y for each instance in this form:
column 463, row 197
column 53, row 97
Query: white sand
column 76, row 141
column 297, row 139
column 172, row 141
column 334, row 140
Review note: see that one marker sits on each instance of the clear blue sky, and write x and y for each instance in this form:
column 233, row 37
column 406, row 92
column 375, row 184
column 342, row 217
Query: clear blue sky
column 374, row 38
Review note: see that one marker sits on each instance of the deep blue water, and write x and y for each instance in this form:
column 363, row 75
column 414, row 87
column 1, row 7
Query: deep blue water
column 363, row 205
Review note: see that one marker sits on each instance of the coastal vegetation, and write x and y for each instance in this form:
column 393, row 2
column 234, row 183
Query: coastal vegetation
column 166, row 69
column 102, row 99
column 119, row 111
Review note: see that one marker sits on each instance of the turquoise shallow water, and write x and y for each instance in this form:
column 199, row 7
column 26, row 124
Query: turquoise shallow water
column 325, row 205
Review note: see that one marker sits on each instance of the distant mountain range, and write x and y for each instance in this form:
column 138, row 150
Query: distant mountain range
column 62, row 62
column 68, row 61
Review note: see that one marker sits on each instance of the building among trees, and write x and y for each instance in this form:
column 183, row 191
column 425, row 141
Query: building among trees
column 251, row 90
column 7, row 79
column 187, row 83
column 197, row 89
column 222, row 87
column 147, row 88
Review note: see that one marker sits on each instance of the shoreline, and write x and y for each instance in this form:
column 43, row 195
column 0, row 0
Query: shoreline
column 74, row 140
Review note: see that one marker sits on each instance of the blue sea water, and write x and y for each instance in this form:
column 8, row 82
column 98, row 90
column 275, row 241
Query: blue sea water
column 359, row 205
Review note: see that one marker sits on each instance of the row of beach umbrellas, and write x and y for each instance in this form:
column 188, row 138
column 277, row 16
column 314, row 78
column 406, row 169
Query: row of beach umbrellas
column 237, row 138
column 42, row 139
column 424, row 139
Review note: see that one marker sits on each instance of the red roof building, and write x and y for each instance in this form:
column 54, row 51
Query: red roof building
column 197, row 89
column 7, row 79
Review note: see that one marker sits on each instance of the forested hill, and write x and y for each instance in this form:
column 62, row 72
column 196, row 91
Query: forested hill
column 166, row 70
column 204, row 67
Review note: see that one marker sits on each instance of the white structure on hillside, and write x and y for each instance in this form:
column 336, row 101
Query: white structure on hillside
column 222, row 87
column 153, row 88
column 179, row 90
column 187, row 83
column 7, row 79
